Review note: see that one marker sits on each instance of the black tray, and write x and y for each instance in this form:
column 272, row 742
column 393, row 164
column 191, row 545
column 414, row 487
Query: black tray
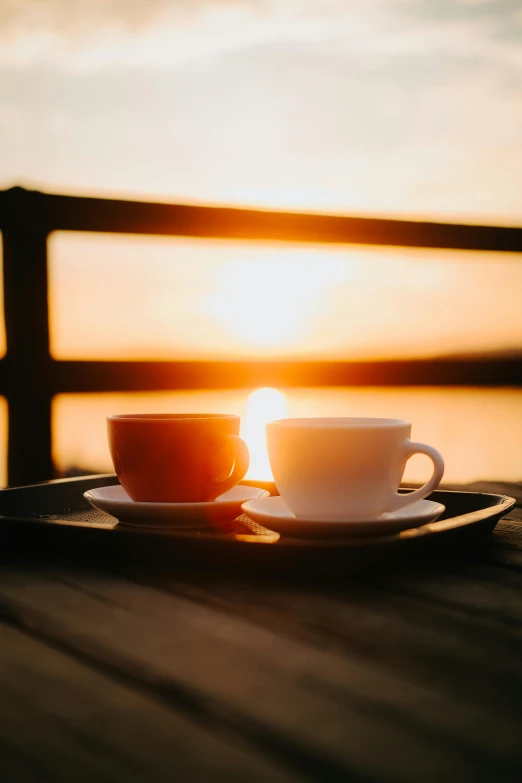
column 54, row 518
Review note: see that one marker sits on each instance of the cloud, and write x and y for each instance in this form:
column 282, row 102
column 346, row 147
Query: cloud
column 98, row 34
column 72, row 16
column 382, row 105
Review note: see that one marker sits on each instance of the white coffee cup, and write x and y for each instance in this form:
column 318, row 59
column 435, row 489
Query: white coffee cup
column 335, row 469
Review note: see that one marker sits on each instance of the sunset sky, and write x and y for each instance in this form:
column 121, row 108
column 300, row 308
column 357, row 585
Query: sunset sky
column 406, row 107
column 382, row 107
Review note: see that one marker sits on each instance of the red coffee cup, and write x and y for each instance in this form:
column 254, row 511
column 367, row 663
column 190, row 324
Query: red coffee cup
column 177, row 457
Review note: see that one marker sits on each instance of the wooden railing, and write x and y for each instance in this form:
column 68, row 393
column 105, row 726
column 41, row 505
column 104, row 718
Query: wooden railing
column 30, row 377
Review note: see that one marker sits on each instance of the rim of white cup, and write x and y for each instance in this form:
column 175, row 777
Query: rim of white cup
column 347, row 422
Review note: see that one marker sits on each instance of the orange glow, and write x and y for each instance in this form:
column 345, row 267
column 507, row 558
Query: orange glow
column 308, row 106
column 461, row 423
column 125, row 297
column 263, row 405
column 270, row 301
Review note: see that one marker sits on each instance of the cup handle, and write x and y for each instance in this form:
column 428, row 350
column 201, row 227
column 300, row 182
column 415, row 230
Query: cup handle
column 241, row 465
column 401, row 501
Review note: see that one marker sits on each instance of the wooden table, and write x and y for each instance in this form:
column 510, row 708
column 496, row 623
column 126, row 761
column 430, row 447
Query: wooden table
column 114, row 674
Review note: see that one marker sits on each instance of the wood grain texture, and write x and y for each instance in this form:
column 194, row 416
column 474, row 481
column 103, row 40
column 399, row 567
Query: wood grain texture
column 410, row 635
column 317, row 707
column 60, row 720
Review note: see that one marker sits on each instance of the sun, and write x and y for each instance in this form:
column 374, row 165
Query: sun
column 259, row 303
column 270, row 302
column 263, row 405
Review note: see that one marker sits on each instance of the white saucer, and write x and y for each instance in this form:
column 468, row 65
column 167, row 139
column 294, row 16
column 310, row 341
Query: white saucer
column 114, row 500
column 273, row 513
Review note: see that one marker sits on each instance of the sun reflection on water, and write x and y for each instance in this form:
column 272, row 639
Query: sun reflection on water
column 263, row 405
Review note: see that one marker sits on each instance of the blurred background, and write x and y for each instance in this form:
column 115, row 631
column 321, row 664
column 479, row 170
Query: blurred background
column 395, row 108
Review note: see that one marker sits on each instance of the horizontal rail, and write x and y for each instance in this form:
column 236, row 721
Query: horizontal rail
column 72, row 377
column 74, row 213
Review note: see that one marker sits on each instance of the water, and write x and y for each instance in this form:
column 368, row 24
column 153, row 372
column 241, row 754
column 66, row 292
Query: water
column 479, row 431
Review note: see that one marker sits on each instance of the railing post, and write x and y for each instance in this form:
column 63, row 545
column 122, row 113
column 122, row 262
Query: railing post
column 29, row 390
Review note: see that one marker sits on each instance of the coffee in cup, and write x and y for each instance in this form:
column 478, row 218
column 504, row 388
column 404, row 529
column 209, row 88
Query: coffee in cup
column 177, row 457
column 336, row 469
